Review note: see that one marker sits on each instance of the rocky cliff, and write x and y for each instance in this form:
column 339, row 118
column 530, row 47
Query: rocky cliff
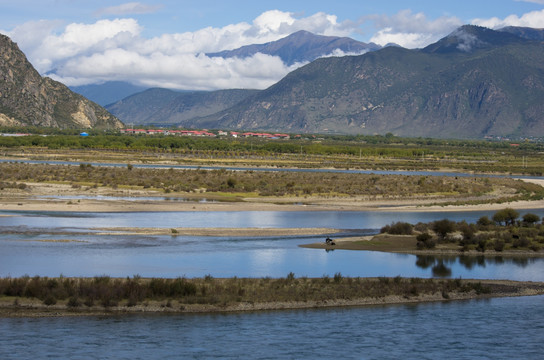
column 26, row 98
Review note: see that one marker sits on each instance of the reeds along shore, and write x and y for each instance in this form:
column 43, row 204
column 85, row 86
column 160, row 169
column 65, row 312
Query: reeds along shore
column 210, row 294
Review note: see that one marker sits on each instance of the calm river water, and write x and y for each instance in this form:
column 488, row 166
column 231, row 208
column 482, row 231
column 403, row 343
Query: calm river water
column 55, row 246
column 498, row 328
column 509, row 328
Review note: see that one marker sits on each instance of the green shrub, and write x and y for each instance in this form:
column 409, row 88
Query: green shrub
column 498, row 245
column 443, row 227
column 507, row 216
column 290, row 276
column 50, row 300
column 74, row 302
column 530, row 219
column 425, row 241
column 398, row 228
column 484, row 221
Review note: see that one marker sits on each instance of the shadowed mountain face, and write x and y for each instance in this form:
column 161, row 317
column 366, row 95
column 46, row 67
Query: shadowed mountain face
column 28, row 99
column 108, row 92
column 167, row 107
column 301, row 47
column 474, row 82
column 525, row 32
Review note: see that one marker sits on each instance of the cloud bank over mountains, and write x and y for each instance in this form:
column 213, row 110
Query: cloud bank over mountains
column 115, row 49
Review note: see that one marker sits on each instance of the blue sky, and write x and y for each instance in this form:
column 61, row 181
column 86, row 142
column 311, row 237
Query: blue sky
column 162, row 43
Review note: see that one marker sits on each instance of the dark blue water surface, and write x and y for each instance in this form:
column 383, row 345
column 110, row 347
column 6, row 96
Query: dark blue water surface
column 507, row 328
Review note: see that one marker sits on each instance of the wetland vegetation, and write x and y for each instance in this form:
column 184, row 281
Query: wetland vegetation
column 83, row 295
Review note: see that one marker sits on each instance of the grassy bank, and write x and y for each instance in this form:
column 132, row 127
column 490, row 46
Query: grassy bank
column 49, row 296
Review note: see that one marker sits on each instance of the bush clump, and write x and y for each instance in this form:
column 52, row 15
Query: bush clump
column 425, row 241
column 398, row 228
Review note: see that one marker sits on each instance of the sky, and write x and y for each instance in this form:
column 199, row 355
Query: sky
column 163, row 43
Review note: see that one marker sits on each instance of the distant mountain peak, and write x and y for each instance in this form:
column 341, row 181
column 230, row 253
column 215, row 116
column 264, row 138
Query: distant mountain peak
column 301, row 46
column 468, row 38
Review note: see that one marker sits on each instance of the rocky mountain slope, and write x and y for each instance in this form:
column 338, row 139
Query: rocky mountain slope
column 28, row 99
column 167, row 107
column 474, row 82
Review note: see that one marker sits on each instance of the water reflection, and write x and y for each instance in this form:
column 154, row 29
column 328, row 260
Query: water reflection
column 441, row 266
column 437, row 265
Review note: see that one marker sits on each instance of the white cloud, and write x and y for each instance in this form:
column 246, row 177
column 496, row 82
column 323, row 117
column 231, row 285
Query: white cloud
column 130, row 8
column 466, row 41
column 181, row 71
column 534, row 19
column 412, row 30
column 46, row 50
column 31, row 34
column 115, row 50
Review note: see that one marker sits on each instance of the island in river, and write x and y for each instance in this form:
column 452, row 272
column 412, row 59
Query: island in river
column 407, row 244
column 42, row 296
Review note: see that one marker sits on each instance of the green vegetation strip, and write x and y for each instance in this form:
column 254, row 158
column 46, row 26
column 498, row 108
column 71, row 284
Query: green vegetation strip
column 210, row 294
column 321, row 151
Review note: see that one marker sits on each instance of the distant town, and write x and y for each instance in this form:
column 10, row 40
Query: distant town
column 262, row 135
column 205, row 133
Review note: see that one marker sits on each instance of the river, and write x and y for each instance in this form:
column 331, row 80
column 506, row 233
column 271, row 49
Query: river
column 55, row 243
column 50, row 244
column 504, row 328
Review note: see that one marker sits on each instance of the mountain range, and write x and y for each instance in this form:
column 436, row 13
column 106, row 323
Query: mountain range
column 26, row 98
column 108, row 92
column 299, row 47
column 473, row 83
